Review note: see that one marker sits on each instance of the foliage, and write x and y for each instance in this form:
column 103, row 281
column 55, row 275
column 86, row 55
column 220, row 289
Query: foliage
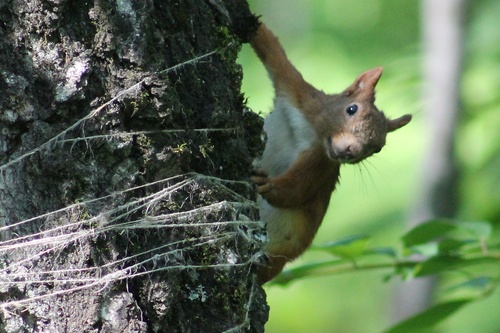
column 437, row 247
column 330, row 42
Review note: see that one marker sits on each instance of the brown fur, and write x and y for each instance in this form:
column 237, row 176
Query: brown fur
column 310, row 135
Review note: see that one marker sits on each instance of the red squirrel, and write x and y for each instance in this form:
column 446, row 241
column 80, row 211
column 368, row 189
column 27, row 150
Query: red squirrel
column 309, row 135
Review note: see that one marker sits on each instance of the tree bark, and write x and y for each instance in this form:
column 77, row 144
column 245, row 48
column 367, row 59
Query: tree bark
column 442, row 23
column 125, row 147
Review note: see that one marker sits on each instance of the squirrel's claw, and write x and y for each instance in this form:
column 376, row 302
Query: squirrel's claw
column 261, row 179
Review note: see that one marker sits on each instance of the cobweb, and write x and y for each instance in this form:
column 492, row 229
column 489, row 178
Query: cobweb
column 169, row 208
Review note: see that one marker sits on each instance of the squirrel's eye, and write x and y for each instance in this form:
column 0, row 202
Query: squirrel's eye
column 351, row 109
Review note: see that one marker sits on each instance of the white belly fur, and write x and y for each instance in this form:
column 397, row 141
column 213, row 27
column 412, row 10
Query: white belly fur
column 288, row 134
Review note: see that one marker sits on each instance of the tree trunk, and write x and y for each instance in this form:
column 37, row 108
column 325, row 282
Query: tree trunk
column 124, row 152
column 442, row 23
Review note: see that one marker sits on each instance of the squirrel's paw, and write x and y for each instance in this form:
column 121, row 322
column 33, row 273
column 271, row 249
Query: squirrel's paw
column 262, row 180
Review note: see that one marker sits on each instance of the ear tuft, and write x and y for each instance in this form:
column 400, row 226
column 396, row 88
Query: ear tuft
column 397, row 123
column 364, row 85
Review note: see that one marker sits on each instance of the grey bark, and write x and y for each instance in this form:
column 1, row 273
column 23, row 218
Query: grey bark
column 442, row 23
column 125, row 147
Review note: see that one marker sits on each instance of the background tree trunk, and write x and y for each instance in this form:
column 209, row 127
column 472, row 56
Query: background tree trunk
column 442, row 23
column 118, row 122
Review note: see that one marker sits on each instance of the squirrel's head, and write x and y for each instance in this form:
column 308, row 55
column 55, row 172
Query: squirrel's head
column 360, row 128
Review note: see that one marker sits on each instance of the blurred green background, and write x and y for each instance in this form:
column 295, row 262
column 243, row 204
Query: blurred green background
column 331, row 42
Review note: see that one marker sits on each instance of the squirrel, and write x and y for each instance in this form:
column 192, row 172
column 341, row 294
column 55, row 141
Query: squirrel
column 309, row 135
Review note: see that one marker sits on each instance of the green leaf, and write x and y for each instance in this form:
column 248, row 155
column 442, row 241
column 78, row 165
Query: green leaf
column 450, row 245
column 482, row 283
column 443, row 263
column 428, row 318
column 385, row 251
column 427, row 232
column 349, row 247
column 479, row 229
column 437, row 265
column 427, row 249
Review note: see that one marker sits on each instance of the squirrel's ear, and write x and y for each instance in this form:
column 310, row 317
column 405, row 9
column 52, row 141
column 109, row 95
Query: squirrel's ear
column 364, row 85
column 394, row 124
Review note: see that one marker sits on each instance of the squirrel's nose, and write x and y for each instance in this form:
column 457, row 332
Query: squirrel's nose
column 344, row 149
column 344, row 153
